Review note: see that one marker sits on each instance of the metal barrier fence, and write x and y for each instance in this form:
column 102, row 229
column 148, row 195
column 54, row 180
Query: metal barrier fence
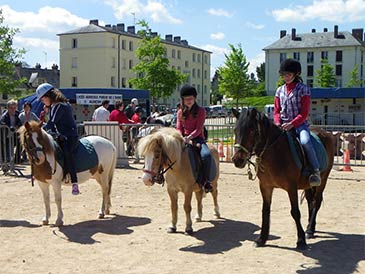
column 10, row 151
column 351, row 138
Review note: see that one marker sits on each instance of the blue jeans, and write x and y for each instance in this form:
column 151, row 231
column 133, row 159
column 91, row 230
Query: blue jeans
column 205, row 156
column 304, row 137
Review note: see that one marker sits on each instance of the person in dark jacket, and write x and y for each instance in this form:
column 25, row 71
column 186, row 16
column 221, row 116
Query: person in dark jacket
column 10, row 118
column 62, row 124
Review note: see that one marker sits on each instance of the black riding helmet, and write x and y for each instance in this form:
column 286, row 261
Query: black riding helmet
column 188, row 90
column 290, row 65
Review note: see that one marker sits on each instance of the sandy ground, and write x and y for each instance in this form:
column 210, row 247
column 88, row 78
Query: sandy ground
column 134, row 240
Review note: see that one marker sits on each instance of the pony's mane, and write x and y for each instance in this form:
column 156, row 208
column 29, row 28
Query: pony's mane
column 169, row 138
column 43, row 137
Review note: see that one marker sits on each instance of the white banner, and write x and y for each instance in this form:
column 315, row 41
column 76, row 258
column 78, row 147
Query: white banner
column 96, row 99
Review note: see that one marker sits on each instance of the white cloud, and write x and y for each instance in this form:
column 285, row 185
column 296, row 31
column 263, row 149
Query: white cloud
column 217, row 36
column 219, row 12
column 254, row 26
column 45, row 44
column 256, row 62
column 47, row 19
column 325, row 10
column 154, row 9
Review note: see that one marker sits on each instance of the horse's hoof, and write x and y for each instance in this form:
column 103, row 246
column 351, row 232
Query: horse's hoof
column 259, row 243
column 171, row 230
column 189, row 231
column 217, row 215
column 302, row 246
column 309, row 235
column 107, row 212
column 198, row 219
column 45, row 222
column 59, row 223
column 101, row 216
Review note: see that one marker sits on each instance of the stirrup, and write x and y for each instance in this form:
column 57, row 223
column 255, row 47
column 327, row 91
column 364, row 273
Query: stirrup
column 315, row 179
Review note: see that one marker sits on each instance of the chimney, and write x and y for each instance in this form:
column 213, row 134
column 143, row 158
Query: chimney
column 185, row 42
column 358, row 34
column 154, row 34
column 313, row 30
column 168, row 37
column 325, row 30
column 131, row 29
column 120, row 27
column 335, row 31
column 94, row 22
column 108, row 25
column 282, row 33
column 54, row 67
column 177, row 39
column 293, row 34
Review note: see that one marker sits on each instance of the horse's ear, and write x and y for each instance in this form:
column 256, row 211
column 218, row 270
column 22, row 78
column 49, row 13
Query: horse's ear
column 27, row 126
column 236, row 113
column 253, row 113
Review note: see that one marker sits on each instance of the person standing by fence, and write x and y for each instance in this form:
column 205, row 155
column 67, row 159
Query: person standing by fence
column 102, row 113
column 27, row 115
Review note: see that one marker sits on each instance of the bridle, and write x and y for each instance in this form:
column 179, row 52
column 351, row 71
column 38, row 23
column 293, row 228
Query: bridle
column 159, row 176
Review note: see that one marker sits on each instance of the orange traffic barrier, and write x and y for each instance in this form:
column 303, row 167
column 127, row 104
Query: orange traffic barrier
column 228, row 154
column 220, row 150
column 346, row 161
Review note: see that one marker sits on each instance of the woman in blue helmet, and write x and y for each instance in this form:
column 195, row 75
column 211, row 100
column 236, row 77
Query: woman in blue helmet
column 61, row 123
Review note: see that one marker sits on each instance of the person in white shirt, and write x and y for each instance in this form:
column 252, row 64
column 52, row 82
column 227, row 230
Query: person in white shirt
column 102, row 113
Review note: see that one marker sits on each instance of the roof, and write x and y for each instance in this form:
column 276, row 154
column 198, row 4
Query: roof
column 93, row 28
column 315, row 40
column 338, row 93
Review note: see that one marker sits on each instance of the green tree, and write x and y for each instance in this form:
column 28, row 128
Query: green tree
column 259, row 89
column 153, row 71
column 9, row 57
column 234, row 79
column 260, row 72
column 215, row 96
column 325, row 77
column 354, row 79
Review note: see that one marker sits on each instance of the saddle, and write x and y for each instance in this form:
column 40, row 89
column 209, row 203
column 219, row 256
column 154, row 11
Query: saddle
column 300, row 156
column 197, row 165
column 84, row 150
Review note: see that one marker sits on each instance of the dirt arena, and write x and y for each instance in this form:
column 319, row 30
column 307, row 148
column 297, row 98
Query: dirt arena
column 134, row 238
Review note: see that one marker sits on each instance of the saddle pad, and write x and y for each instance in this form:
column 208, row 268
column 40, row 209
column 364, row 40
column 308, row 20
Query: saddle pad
column 318, row 148
column 196, row 165
column 84, row 150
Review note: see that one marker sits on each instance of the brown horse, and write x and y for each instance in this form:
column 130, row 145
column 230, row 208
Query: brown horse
column 164, row 152
column 256, row 135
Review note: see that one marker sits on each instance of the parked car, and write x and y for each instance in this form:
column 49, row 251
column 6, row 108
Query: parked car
column 218, row 111
column 269, row 111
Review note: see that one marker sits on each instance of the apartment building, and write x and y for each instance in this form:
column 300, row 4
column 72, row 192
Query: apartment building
column 342, row 49
column 97, row 56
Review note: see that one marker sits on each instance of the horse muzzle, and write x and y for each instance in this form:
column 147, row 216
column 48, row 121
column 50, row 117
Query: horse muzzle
column 147, row 178
column 239, row 161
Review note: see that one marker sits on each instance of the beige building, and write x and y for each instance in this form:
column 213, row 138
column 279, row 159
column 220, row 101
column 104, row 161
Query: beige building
column 103, row 57
column 343, row 50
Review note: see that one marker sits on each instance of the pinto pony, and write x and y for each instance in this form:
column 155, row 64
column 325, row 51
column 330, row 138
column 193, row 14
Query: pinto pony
column 164, row 152
column 275, row 167
column 41, row 150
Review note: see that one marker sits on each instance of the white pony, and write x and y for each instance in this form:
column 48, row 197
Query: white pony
column 41, row 150
column 164, row 153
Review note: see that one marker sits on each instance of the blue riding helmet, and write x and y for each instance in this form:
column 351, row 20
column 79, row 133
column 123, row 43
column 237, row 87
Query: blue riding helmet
column 42, row 90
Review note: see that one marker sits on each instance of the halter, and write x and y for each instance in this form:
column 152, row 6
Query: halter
column 159, row 176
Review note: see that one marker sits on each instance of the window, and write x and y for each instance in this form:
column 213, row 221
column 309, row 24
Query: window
column 5, row 96
column 193, row 72
column 178, row 54
column 310, row 83
column 338, row 55
column 282, row 57
column 173, row 54
column 113, row 62
column 131, row 45
column 179, row 68
column 186, row 64
column 130, row 85
column 112, row 81
column 123, row 44
column 198, row 73
column 74, row 82
column 130, row 64
column 124, row 82
column 74, row 62
column 324, row 55
column 194, row 57
column 205, row 74
column 198, row 58
column 74, row 43
column 310, row 57
column 113, row 43
column 338, row 70
column 310, row 70
column 205, row 59
column 296, row 56
column 124, row 63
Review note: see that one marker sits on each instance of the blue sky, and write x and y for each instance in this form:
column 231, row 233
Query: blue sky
column 211, row 25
